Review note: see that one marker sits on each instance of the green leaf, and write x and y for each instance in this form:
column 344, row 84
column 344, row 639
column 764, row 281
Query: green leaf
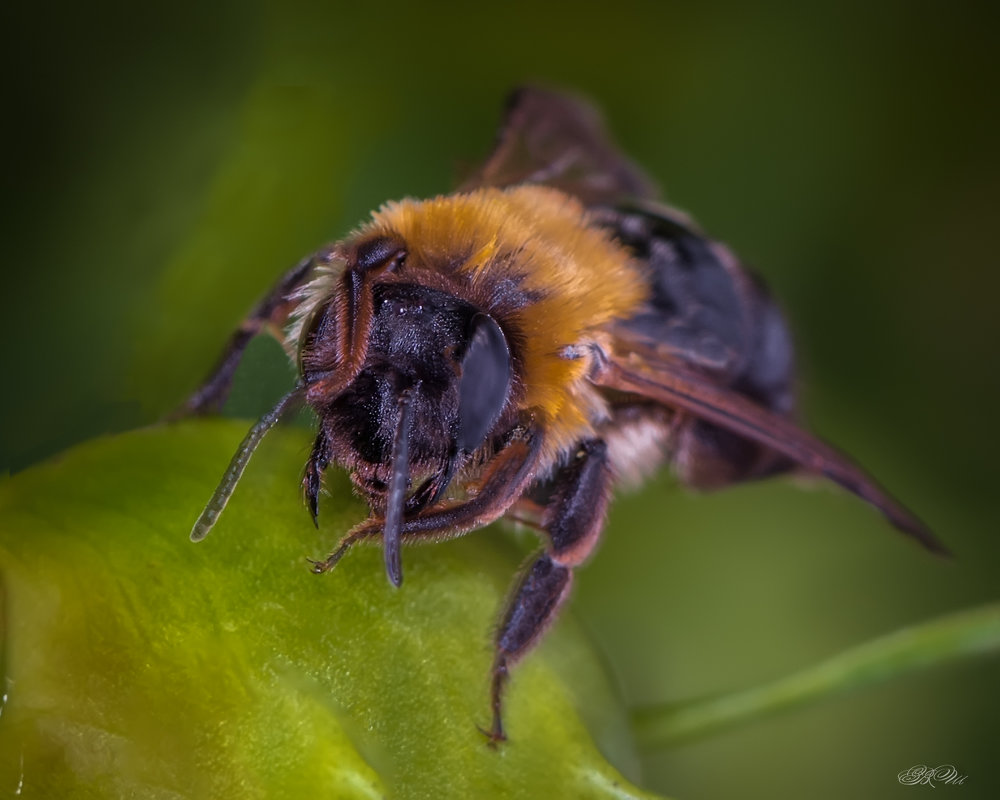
column 137, row 663
column 967, row 634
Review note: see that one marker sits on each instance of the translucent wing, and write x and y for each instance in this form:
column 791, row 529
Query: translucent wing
column 676, row 387
column 560, row 141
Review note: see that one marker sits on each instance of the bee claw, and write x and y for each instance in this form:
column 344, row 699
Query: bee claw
column 494, row 737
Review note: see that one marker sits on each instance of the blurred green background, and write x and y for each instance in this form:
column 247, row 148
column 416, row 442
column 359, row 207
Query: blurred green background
column 166, row 162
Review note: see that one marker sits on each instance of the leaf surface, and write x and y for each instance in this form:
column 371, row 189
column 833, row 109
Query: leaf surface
column 140, row 664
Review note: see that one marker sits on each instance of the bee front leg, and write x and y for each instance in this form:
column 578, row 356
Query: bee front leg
column 273, row 309
column 312, row 477
column 573, row 520
column 509, row 475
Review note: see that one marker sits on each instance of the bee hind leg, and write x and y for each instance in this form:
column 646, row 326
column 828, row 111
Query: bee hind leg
column 573, row 520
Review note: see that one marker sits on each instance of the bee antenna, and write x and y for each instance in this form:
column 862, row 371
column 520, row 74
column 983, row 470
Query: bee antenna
column 210, row 515
column 397, row 489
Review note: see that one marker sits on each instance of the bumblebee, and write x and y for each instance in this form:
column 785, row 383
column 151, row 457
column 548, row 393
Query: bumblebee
column 520, row 348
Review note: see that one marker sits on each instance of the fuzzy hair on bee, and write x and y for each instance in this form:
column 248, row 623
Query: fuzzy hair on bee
column 522, row 347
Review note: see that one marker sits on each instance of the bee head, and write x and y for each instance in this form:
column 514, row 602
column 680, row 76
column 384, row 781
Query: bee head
column 383, row 340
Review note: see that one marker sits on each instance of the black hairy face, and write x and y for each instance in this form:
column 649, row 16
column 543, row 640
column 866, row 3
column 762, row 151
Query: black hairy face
column 417, row 338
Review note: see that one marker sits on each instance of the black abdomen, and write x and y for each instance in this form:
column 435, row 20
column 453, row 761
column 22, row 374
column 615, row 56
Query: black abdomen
column 712, row 315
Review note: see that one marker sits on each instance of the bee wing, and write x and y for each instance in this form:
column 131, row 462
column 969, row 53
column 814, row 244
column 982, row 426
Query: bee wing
column 680, row 388
column 560, row 141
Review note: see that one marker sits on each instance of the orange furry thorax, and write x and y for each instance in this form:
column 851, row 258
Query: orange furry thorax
column 542, row 244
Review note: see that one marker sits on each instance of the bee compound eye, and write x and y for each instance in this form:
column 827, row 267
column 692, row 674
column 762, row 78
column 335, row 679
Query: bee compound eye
column 383, row 251
column 484, row 383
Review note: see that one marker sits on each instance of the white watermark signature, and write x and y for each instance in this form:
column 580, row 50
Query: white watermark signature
column 922, row 775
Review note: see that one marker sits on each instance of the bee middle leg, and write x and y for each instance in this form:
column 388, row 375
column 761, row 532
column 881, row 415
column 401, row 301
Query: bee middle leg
column 573, row 520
